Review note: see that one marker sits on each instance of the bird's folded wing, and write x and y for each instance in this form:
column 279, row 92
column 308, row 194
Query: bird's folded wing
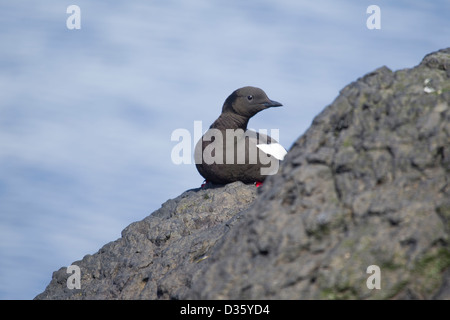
column 274, row 149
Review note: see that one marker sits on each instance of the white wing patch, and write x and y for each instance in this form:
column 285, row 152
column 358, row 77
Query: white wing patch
column 274, row 149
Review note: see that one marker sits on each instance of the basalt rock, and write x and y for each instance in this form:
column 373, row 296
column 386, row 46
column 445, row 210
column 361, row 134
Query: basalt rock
column 155, row 257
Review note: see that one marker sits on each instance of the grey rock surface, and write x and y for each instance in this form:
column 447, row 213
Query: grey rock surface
column 155, row 257
column 367, row 184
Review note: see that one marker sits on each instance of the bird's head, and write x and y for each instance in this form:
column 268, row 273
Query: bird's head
column 248, row 101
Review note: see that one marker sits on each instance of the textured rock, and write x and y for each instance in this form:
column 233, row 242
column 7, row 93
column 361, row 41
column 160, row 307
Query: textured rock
column 155, row 257
column 367, row 184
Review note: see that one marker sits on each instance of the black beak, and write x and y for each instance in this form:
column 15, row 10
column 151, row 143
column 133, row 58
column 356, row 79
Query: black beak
column 272, row 103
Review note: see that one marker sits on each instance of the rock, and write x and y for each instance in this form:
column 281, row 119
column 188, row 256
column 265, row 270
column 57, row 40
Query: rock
column 367, row 184
column 155, row 257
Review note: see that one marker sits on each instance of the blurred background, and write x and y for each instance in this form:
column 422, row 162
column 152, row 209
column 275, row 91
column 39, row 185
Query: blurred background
column 86, row 116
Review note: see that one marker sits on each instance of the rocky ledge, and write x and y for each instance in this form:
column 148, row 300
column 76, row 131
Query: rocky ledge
column 367, row 185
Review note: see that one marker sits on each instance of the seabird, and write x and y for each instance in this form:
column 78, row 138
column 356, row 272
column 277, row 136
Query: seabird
column 228, row 152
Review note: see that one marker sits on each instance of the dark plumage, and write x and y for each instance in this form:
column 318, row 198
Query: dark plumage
column 238, row 142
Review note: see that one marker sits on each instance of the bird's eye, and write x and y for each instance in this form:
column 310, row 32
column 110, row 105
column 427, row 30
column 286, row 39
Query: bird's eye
column 250, row 98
